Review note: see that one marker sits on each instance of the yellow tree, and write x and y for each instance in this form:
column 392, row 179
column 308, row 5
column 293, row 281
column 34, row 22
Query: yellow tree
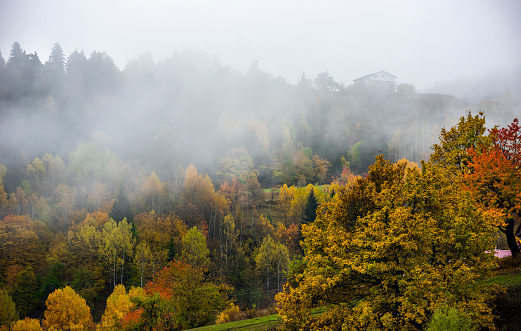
column 153, row 193
column 390, row 251
column 66, row 310
column 298, row 202
column 162, row 233
column 201, row 203
column 143, row 259
column 118, row 305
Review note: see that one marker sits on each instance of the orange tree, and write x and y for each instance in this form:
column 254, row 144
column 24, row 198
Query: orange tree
column 494, row 178
column 391, row 250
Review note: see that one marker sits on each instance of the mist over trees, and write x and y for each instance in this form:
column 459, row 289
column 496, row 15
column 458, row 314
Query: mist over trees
column 190, row 109
column 184, row 166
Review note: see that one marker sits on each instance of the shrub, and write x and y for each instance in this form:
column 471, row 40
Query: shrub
column 27, row 324
column 230, row 314
column 448, row 319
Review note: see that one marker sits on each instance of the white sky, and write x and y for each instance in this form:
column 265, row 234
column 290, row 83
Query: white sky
column 420, row 42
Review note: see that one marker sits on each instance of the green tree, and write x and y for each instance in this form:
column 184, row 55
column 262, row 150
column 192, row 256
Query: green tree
column 180, row 297
column 451, row 151
column 121, row 207
column 310, row 211
column 195, row 250
column 25, row 295
column 8, row 311
column 272, row 260
column 388, row 252
column 116, row 246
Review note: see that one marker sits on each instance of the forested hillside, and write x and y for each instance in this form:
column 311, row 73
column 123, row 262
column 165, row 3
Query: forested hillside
column 184, row 169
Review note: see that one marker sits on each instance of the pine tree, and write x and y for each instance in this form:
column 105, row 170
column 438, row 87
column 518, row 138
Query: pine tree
column 121, row 208
column 310, row 211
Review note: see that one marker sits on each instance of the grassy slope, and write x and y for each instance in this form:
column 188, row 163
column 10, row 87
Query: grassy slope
column 258, row 323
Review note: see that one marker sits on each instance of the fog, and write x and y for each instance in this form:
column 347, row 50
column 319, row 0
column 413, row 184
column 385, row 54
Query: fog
column 168, row 84
column 421, row 43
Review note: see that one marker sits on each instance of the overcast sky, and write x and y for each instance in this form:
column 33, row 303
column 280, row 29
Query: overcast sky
column 420, row 42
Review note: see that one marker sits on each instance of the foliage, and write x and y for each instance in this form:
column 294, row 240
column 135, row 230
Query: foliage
column 180, row 296
column 310, row 211
column 8, row 311
column 66, row 309
column 116, row 246
column 272, row 261
column 27, row 324
column 448, row 319
column 495, row 180
column 385, row 254
column 195, row 250
column 451, row 151
column 230, row 314
column 119, row 303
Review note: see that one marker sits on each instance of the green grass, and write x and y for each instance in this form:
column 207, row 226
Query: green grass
column 506, row 280
column 254, row 324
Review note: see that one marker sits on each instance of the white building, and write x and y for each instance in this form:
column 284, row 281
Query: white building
column 382, row 78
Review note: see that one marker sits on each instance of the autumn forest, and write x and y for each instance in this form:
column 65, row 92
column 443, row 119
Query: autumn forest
column 179, row 193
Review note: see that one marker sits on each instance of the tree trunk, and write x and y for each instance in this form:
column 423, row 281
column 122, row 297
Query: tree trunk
column 511, row 238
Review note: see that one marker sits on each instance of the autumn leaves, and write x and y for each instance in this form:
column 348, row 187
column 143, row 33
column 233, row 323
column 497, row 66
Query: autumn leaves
column 400, row 244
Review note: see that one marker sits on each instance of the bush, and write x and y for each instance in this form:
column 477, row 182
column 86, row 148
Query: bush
column 231, row 314
column 27, row 324
column 447, row 319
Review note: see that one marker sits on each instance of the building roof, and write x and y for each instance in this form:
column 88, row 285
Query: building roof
column 375, row 73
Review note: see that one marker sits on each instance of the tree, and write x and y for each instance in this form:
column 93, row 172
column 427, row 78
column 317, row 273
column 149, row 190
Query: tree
column 236, row 164
column 180, row 297
column 66, row 309
column 143, row 259
column 121, row 207
column 195, row 250
column 163, row 234
column 119, row 303
column 451, row 152
column 390, row 251
column 273, row 258
column 310, row 211
column 8, row 311
column 55, row 67
column 494, row 179
column 116, row 246
column 153, row 193
column 56, row 60
column 324, row 81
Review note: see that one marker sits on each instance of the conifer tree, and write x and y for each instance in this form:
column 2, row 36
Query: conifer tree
column 310, row 211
